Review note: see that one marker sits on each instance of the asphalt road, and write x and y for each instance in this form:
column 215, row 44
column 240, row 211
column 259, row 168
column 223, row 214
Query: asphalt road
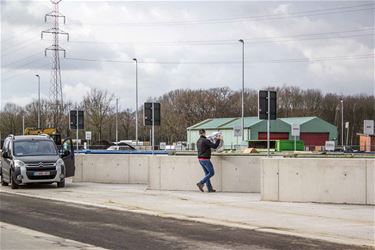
column 125, row 230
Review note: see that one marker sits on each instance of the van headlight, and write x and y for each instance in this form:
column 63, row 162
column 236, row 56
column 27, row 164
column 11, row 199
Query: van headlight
column 59, row 163
column 18, row 164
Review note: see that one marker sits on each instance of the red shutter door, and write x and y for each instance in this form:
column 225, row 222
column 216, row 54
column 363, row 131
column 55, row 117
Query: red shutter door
column 314, row 139
column 274, row 136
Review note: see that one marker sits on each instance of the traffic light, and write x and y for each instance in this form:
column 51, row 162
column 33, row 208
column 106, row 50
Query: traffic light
column 147, row 114
column 263, row 105
column 73, row 119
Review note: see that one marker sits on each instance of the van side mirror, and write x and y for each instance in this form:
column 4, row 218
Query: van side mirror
column 66, row 152
column 5, row 154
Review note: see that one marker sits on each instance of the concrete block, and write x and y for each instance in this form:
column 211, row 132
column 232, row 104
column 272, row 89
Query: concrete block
column 322, row 180
column 182, row 173
column 240, row 174
column 154, row 171
column 370, row 181
column 138, row 169
column 106, row 169
column 269, row 179
column 79, row 161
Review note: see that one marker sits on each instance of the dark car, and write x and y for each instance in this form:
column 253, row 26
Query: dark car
column 35, row 159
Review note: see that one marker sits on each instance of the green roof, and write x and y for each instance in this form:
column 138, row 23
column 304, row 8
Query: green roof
column 248, row 122
column 298, row 120
column 212, row 123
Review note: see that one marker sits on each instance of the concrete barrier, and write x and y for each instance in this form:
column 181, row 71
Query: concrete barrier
column 162, row 172
column 318, row 180
column 232, row 173
column 122, row 169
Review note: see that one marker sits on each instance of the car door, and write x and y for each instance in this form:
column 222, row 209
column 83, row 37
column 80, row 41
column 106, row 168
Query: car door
column 6, row 160
column 68, row 157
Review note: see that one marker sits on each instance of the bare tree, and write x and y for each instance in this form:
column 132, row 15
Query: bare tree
column 97, row 105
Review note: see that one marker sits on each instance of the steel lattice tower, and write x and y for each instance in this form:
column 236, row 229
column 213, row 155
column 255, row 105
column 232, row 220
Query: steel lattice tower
column 56, row 94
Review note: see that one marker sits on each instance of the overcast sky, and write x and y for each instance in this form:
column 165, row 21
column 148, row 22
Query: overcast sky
column 188, row 45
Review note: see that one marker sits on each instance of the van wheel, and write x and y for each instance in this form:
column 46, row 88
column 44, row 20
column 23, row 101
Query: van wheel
column 13, row 184
column 61, row 184
column 3, row 183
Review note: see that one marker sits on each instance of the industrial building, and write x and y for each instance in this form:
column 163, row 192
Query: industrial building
column 313, row 130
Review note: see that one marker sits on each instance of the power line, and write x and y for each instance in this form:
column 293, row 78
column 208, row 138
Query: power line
column 224, row 42
column 20, row 60
column 287, row 60
column 316, row 12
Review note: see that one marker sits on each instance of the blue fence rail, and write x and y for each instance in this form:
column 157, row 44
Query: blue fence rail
column 111, row 152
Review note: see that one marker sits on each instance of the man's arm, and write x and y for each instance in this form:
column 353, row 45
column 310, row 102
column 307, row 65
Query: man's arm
column 209, row 144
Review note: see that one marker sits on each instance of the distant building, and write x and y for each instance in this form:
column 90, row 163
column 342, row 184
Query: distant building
column 366, row 142
column 314, row 131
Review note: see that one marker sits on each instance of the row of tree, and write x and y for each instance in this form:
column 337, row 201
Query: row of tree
column 182, row 108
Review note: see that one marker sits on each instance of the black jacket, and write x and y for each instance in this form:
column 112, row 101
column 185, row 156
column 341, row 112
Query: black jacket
column 204, row 147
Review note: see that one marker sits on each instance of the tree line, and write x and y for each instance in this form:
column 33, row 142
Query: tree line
column 182, row 108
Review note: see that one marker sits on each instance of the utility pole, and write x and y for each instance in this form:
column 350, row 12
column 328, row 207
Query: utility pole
column 38, row 101
column 136, row 100
column 56, row 95
column 243, row 90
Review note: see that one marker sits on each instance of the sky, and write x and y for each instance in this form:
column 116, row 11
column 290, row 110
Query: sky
column 326, row 45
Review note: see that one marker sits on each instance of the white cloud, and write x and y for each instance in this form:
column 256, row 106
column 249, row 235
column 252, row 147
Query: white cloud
column 345, row 76
column 76, row 92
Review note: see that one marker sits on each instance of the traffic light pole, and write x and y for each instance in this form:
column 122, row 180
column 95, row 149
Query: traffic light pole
column 268, row 122
column 153, row 127
column 77, row 128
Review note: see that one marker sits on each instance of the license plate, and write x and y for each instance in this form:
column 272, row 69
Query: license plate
column 41, row 173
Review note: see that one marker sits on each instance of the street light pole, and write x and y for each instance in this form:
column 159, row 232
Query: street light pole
column 342, row 123
column 136, row 101
column 116, row 119
column 38, row 101
column 243, row 89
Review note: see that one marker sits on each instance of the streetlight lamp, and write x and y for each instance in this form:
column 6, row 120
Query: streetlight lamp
column 243, row 88
column 38, row 101
column 136, row 101
column 342, row 123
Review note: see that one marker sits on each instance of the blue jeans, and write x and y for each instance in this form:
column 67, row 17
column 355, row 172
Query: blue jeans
column 209, row 171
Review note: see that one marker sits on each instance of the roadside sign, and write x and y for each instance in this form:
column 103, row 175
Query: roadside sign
column 237, row 130
column 163, row 145
column 368, row 127
column 295, row 129
column 346, row 124
column 330, row 146
column 88, row 135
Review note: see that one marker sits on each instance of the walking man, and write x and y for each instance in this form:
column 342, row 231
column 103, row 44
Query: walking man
column 204, row 155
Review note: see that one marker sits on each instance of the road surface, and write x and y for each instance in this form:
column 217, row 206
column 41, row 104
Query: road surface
column 113, row 229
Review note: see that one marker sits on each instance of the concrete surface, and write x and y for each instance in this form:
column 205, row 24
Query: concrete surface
column 18, row 238
column 318, row 180
column 348, row 224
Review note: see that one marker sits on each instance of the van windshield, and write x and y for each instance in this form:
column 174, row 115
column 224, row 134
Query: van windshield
column 34, row 147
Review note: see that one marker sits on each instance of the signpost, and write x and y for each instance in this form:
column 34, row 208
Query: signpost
column 347, row 133
column 295, row 132
column 368, row 127
column 237, row 131
column 88, row 136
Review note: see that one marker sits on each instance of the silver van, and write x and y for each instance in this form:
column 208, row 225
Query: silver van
column 35, row 159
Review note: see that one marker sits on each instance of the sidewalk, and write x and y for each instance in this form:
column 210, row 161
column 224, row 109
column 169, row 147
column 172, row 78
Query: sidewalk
column 10, row 236
column 349, row 224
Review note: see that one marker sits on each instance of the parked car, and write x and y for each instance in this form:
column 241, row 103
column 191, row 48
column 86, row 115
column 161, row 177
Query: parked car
column 121, row 146
column 35, row 159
